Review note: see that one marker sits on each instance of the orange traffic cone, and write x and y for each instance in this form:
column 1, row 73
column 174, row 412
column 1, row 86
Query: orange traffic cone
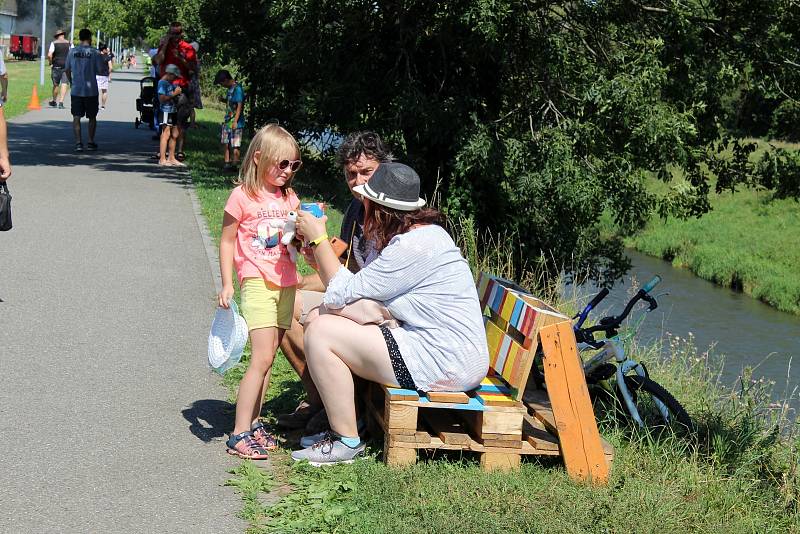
column 34, row 103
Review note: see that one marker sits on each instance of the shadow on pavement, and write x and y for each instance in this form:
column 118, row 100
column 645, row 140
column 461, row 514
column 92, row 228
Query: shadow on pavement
column 127, row 80
column 210, row 418
column 123, row 148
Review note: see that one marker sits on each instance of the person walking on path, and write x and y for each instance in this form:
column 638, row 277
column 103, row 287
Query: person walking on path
column 57, row 55
column 82, row 67
column 104, row 76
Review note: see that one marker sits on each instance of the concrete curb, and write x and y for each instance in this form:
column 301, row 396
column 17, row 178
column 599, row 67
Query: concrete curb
column 208, row 242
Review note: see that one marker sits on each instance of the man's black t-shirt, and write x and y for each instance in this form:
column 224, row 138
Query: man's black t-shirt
column 104, row 70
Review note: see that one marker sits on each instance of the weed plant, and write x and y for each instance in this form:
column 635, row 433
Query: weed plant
column 738, row 473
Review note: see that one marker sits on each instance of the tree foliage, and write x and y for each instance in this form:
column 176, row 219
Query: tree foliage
column 534, row 117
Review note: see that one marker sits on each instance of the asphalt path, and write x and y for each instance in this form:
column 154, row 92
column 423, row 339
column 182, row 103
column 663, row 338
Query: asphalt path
column 110, row 420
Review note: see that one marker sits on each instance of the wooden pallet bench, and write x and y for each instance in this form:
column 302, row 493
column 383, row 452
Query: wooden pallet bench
column 500, row 421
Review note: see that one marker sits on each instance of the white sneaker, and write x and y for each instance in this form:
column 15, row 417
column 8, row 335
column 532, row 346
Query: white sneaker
column 307, row 441
column 329, row 451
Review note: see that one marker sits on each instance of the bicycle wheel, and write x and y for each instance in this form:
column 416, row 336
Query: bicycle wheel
column 645, row 392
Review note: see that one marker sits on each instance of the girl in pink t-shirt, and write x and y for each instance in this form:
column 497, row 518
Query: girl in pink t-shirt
column 252, row 228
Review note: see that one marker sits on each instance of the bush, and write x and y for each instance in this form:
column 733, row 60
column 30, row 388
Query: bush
column 779, row 169
column 786, row 121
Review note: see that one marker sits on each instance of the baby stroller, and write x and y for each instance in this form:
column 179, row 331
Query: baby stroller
column 144, row 104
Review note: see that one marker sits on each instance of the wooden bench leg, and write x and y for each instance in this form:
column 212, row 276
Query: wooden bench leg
column 399, row 420
column 398, row 456
column 499, row 461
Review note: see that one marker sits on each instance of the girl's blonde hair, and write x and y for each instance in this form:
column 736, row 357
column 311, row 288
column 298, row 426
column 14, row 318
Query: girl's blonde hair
column 274, row 143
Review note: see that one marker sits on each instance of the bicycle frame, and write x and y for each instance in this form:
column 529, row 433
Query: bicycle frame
column 613, row 349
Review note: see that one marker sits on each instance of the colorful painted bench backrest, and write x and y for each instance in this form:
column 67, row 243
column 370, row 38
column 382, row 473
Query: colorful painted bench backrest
column 513, row 319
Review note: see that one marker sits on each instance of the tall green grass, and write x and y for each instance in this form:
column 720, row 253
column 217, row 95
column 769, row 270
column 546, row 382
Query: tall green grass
column 22, row 76
column 738, row 474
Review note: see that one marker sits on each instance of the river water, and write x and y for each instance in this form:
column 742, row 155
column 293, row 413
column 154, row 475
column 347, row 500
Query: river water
column 743, row 331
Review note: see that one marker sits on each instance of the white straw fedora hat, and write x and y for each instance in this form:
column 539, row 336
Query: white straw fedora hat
column 393, row 185
column 227, row 338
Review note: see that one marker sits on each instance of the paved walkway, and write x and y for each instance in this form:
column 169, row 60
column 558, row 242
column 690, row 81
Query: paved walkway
column 110, row 420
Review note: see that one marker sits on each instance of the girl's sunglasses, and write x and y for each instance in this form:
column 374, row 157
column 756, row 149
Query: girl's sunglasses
column 293, row 165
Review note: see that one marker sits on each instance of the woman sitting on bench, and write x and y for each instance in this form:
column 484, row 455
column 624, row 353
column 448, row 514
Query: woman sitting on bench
column 425, row 284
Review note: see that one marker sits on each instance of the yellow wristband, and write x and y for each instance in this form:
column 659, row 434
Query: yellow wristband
column 319, row 240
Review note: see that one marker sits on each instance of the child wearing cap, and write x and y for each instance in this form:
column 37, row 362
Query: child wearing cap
column 167, row 116
column 233, row 125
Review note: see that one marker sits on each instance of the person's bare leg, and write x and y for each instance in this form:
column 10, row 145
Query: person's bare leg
column 181, row 139
column 264, row 388
column 173, row 138
column 92, row 128
column 336, row 349
column 236, row 156
column 292, row 347
column 263, row 342
column 103, row 97
column 226, row 154
column 55, row 93
column 162, row 145
column 76, row 129
column 64, row 88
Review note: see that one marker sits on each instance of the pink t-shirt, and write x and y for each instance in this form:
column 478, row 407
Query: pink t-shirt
column 259, row 252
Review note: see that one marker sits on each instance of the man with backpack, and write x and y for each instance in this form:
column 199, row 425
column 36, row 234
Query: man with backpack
column 57, row 55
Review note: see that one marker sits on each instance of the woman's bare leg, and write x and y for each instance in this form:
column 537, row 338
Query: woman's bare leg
column 336, row 349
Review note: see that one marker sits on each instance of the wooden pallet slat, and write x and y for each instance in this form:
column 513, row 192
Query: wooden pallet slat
column 499, row 423
column 539, row 403
column 535, row 433
column 445, row 426
column 400, row 393
column 491, row 398
column 455, row 397
column 572, row 408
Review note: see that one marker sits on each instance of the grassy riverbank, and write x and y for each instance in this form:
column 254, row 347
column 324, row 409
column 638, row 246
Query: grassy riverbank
column 749, row 242
column 737, row 476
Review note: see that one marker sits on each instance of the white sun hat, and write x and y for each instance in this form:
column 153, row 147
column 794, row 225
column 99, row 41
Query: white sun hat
column 227, row 338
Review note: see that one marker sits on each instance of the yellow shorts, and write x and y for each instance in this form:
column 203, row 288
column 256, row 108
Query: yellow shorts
column 265, row 305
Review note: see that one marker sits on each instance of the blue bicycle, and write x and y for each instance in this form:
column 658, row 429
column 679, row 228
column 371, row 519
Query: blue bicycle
column 613, row 376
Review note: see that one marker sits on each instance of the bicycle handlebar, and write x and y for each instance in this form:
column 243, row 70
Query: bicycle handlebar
column 589, row 307
column 648, row 287
column 596, row 300
column 611, row 323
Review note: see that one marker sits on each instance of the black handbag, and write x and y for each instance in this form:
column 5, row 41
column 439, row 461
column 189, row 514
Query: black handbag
column 5, row 207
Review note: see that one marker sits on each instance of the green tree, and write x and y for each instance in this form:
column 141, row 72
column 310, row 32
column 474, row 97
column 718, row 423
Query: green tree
column 532, row 117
